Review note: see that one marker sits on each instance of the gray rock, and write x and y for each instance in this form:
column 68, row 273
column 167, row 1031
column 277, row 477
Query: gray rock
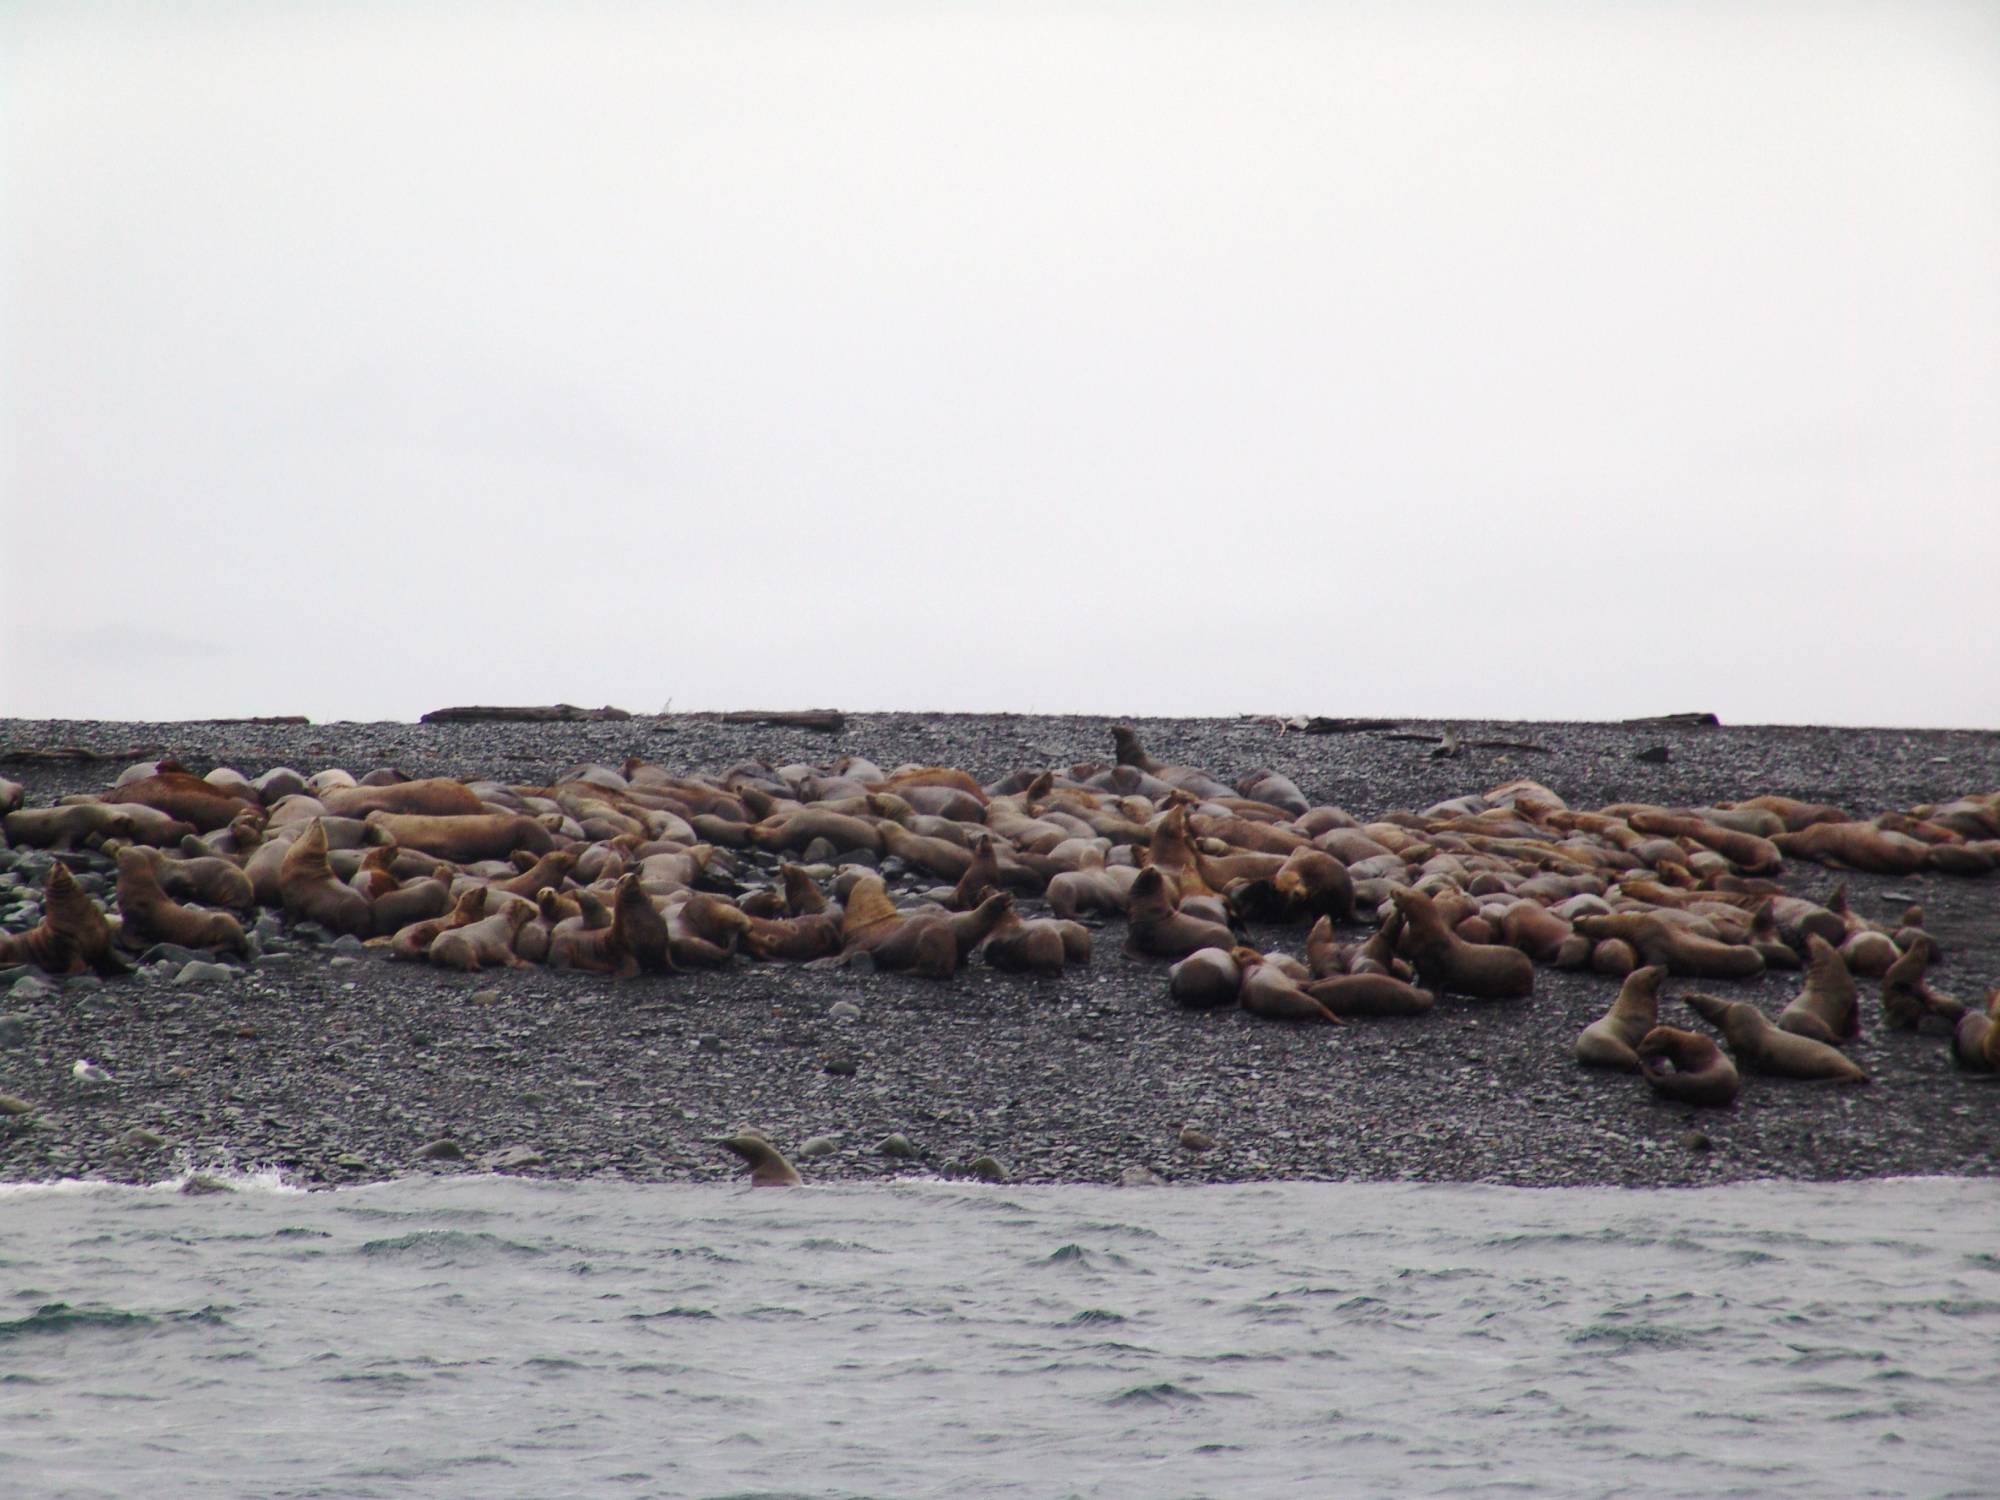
column 29, row 989
column 863, row 857
column 484, row 997
column 1196, row 1140
column 14, row 1029
column 442, row 1150
column 142, row 1139
column 345, row 961
column 1140, row 1177
column 172, row 953
column 347, row 945
column 309, row 932
column 818, row 852
column 82, row 984
column 514, row 1159
column 840, row 1067
column 203, row 972
column 844, row 1010
column 11, row 1104
column 709, row 1042
column 202, row 1184
column 269, row 927
column 819, row 1145
column 897, row 1145
column 986, row 1169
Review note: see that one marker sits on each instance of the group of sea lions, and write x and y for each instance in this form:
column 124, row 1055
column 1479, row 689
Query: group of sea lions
column 638, row 869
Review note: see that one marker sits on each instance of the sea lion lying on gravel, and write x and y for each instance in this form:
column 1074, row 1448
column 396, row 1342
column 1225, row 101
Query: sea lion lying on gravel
column 1157, row 928
column 1828, row 1009
column 309, row 889
column 149, row 913
column 1443, row 959
column 1763, row 1048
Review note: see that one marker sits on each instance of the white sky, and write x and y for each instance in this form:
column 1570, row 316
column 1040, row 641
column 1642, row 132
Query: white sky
column 1563, row 360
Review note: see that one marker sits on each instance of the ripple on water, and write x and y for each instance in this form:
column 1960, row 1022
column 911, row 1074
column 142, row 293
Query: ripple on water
column 1160, row 1393
column 448, row 1247
column 61, row 1317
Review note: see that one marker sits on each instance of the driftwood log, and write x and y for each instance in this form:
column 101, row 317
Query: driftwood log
column 828, row 720
column 553, row 713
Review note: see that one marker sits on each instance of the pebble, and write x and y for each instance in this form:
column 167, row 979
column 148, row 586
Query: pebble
column 819, row 1145
column 844, row 1010
column 709, row 1042
column 143, row 1139
column 1196, row 1140
column 1697, row 1140
column 1140, row 1177
column 28, row 990
column 986, row 1169
column 484, row 997
column 347, row 945
column 896, row 1145
column 12, row 1105
column 203, row 972
column 202, row 1184
column 442, row 1150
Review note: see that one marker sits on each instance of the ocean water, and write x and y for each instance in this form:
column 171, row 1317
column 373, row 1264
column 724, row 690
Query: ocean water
column 497, row 1337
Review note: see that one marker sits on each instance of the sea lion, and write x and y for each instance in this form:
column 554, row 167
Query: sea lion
column 1206, row 979
column 870, row 924
column 1975, row 1041
column 639, row 930
column 1907, row 1001
column 1041, row 946
column 1369, row 995
column 1857, row 846
column 11, row 794
column 463, row 838
column 438, row 797
column 1684, row 953
column 1092, row 886
column 208, row 878
column 980, row 875
column 150, row 913
column 1308, row 884
column 1448, row 962
column 1612, row 1041
column 70, row 825
column 308, row 888
column 490, row 940
column 72, row 935
column 1763, row 1048
column 187, row 798
column 768, row 1168
column 1688, row 1068
column 413, row 940
column 547, row 872
column 1269, row 992
column 1828, row 1009
column 1158, row 929
column 799, row 939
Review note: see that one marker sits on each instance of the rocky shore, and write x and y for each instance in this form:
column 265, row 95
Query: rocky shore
column 337, row 1066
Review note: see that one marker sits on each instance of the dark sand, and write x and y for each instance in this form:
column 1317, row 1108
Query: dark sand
column 343, row 1072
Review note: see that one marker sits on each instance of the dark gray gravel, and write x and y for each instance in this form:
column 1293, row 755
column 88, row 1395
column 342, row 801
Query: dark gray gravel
column 346, row 1070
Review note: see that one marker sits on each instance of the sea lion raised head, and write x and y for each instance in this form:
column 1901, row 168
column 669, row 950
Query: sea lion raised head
column 768, row 1167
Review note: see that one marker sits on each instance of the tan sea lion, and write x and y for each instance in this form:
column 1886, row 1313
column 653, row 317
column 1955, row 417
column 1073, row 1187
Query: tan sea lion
column 1447, row 962
column 1612, row 1041
column 870, row 923
column 69, row 826
column 308, row 888
column 768, row 1168
column 1092, row 886
column 187, row 798
column 547, row 872
column 463, row 838
column 1828, row 1009
column 1368, row 995
column 1856, row 846
column 72, row 935
column 437, row 796
column 208, row 878
column 1658, row 941
column 1763, row 1048
column 1975, row 1041
column 797, row 939
column 413, row 940
column 1206, row 979
column 149, row 913
column 1269, row 992
column 490, row 940
column 1158, row 929
column 1688, row 1068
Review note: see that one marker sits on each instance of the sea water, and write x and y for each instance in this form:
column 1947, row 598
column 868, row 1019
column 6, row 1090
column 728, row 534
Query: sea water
column 496, row 1337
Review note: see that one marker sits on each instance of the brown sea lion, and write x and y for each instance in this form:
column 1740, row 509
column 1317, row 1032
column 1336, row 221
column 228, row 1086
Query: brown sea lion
column 1308, row 884
column 1206, row 979
column 1447, row 962
column 1659, row 941
column 1907, row 1001
column 11, row 794
column 79, row 922
column 463, row 838
column 208, row 878
column 1367, row 995
column 69, row 826
column 547, row 872
column 1975, row 1041
column 1856, row 846
column 870, row 923
column 639, row 929
column 797, row 939
column 1269, row 992
column 1828, row 1009
column 1688, row 1068
column 1017, row 946
column 768, row 1168
column 438, row 797
column 1092, row 886
column 149, row 913
column 980, row 875
column 935, row 856
column 1612, row 1040
column 411, row 901
column 308, row 888
column 1158, row 929
column 187, row 798
column 1763, row 1048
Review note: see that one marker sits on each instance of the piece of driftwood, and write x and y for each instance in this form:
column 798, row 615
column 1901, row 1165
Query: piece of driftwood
column 272, row 719
column 552, row 713
column 1455, row 745
column 1321, row 725
column 827, row 720
column 1674, row 721
column 69, row 753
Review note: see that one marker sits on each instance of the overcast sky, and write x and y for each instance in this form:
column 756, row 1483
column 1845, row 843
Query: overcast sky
column 1563, row 360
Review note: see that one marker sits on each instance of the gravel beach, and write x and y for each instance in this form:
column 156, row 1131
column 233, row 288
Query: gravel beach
column 343, row 1069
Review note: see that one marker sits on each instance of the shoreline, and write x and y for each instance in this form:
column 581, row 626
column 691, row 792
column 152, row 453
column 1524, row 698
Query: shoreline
column 342, row 1071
